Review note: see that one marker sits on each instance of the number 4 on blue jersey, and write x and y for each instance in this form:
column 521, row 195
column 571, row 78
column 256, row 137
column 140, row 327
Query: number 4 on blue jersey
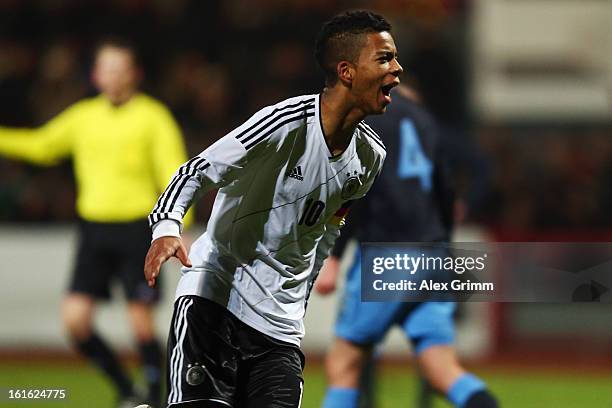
column 412, row 160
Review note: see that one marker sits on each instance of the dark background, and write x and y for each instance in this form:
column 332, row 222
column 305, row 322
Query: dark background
column 217, row 62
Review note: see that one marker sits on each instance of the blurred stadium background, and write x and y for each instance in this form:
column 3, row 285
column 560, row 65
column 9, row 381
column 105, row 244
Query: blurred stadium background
column 522, row 88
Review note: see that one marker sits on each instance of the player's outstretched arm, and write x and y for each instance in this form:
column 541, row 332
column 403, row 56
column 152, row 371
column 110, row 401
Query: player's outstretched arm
column 161, row 250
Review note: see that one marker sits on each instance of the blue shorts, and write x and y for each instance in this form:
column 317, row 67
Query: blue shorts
column 366, row 323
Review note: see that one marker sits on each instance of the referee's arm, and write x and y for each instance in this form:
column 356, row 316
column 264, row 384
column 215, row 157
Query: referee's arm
column 46, row 145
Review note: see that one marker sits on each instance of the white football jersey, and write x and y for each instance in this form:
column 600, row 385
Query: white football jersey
column 281, row 200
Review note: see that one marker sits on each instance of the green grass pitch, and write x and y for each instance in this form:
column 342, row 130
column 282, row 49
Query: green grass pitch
column 396, row 388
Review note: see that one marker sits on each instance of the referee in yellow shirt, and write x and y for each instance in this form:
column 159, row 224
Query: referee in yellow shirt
column 125, row 146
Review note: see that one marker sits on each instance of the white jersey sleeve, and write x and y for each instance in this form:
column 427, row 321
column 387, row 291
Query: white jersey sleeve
column 218, row 166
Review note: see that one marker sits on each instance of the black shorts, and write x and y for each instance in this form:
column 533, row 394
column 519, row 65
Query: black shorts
column 110, row 251
column 215, row 360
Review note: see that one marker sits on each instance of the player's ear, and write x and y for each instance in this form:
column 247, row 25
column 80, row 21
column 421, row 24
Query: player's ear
column 346, row 72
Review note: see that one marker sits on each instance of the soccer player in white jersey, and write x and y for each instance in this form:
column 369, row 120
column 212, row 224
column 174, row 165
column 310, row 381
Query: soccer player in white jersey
column 285, row 179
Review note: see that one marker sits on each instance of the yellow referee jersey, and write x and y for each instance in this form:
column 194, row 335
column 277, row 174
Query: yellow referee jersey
column 123, row 156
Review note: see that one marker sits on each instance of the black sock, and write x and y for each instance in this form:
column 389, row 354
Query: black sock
column 481, row 399
column 103, row 357
column 151, row 355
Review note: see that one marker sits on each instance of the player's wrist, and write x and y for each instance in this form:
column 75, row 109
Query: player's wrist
column 166, row 228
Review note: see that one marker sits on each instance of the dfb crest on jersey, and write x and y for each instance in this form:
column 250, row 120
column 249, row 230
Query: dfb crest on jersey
column 195, row 374
column 351, row 185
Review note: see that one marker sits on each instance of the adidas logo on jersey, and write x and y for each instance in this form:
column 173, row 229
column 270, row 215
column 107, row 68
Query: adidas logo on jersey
column 296, row 173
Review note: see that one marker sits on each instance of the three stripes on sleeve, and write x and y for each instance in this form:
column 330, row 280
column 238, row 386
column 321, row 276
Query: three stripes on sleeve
column 175, row 200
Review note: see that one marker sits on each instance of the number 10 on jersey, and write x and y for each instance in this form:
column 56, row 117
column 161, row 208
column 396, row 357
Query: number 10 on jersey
column 311, row 213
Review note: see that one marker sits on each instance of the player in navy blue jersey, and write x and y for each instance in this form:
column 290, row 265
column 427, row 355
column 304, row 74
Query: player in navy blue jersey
column 412, row 201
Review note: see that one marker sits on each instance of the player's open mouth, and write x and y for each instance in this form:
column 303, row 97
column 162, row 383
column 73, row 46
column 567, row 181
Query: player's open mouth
column 386, row 90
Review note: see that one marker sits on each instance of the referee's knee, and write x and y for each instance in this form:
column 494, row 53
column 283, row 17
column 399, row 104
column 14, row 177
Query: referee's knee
column 142, row 321
column 77, row 311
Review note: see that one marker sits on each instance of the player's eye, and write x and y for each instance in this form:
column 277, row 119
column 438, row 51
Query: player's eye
column 388, row 57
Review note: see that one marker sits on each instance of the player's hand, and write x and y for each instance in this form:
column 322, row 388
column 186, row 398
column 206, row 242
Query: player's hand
column 328, row 275
column 161, row 250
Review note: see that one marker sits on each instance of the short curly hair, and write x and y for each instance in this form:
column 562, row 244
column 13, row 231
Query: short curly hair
column 342, row 38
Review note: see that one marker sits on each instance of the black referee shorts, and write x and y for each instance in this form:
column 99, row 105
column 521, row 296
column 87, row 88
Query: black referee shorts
column 215, row 360
column 109, row 251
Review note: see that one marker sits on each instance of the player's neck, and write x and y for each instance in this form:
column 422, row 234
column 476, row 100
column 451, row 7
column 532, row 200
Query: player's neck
column 338, row 119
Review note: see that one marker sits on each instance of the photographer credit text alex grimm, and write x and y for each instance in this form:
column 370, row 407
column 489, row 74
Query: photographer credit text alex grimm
column 405, row 272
